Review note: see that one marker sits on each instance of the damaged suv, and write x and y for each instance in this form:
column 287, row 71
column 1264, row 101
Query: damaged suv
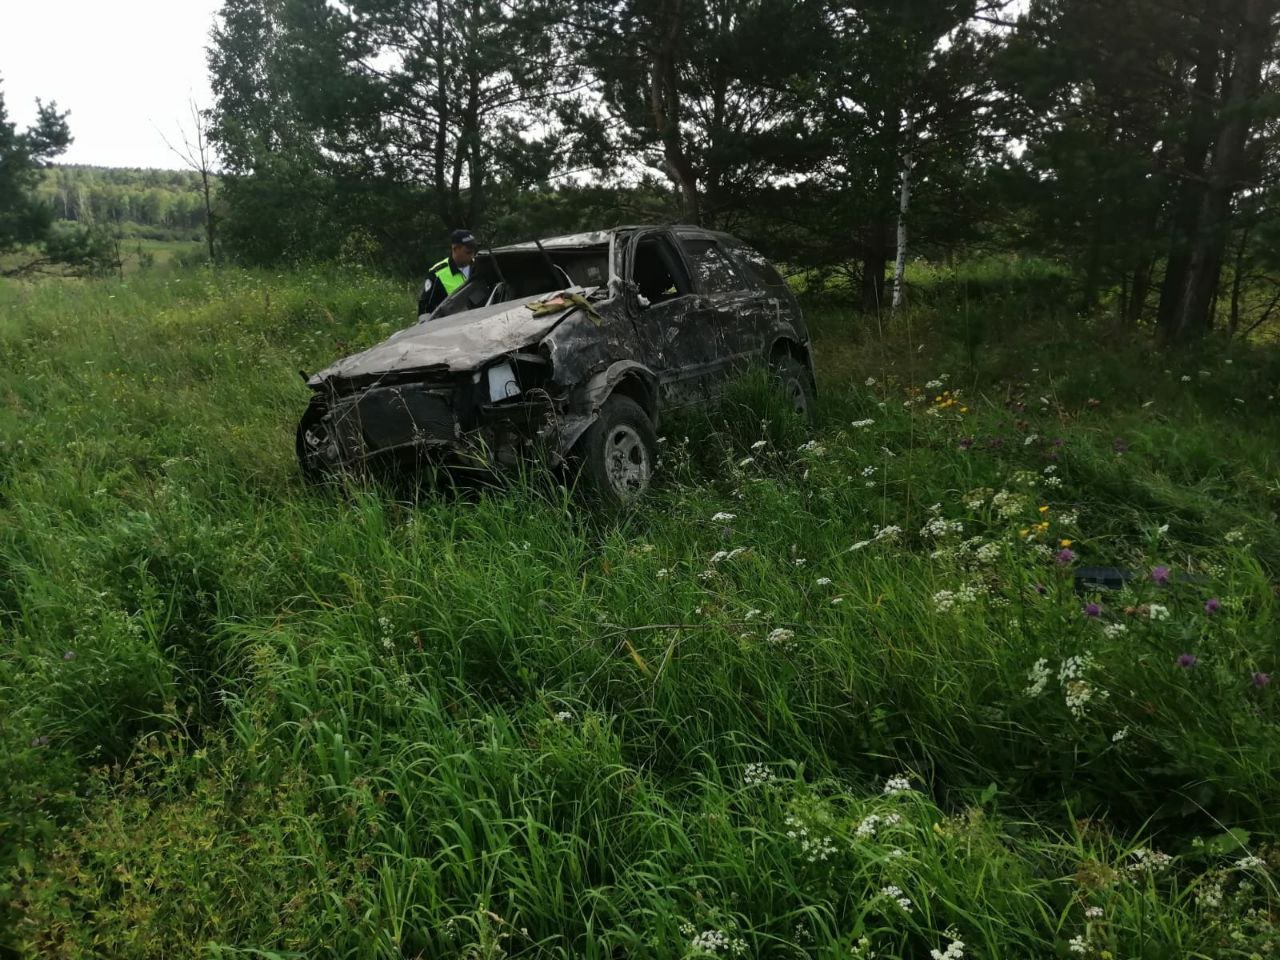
column 569, row 349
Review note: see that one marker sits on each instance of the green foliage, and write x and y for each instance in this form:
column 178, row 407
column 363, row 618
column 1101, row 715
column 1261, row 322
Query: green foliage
column 493, row 723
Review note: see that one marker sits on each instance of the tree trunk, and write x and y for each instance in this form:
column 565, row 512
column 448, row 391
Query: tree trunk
column 1190, row 189
column 1237, row 279
column 1191, row 315
column 1141, row 283
column 904, row 204
column 664, row 101
column 875, row 257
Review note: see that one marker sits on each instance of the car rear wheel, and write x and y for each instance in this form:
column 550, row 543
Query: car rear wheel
column 618, row 453
column 796, row 385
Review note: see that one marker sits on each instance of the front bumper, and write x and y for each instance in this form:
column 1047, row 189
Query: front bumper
column 448, row 425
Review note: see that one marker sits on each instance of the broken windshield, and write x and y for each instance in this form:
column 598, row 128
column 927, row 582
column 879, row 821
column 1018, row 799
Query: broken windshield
column 504, row 275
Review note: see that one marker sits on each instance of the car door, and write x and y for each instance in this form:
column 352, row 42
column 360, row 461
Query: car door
column 675, row 322
column 733, row 302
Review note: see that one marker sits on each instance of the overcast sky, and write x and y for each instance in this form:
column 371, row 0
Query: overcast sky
column 122, row 67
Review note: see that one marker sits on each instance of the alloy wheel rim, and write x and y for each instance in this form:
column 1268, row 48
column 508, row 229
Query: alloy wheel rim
column 626, row 462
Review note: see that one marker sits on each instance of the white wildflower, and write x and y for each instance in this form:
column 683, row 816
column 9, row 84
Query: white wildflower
column 895, row 894
column 896, row 785
column 752, row 614
column 1113, row 630
column 1144, row 859
column 564, row 716
column 954, row 951
column 870, row 381
column 836, row 601
column 824, row 581
column 1077, row 697
column 860, row 424
column 780, row 637
column 759, row 444
column 723, row 517
column 1209, row 897
column 868, row 471
column 1093, row 913
column 663, row 573
column 717, row 941
column 1158, row 611
column 939, row 527
column 1186, row 378
column 719, row 555
column 988, row 553
column 1233, row 536
column 889, row 534
column 1008, row 504
column 757, row 773
column 1250, row 863
column 873, row 821
column 813, row 446
column 1078, row 944
column 799, row 561
column 859, row 545
column 1030, row 439
column 746, row 461
column 1039, row 677
column 1119, row 735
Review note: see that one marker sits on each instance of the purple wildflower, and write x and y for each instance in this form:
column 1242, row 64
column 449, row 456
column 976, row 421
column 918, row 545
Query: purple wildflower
column 1065, row 556
column 1212, row 605
column 40, row 741
column 1260, row 679
column 1187, row 660
column 1059, row 442
column 1093, row 610
column 1119, row 446
column 726, row 533
column 69, row 655
column 966, row 443
column 1160, row 575
column 1041, row 589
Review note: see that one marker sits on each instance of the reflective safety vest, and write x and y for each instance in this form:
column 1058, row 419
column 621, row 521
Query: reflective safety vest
column 448, row 279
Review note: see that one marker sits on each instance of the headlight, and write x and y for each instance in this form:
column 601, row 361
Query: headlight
column 502, row 382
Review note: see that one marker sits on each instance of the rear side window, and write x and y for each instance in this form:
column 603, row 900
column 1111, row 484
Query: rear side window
column 713, row 271
column 759, row 269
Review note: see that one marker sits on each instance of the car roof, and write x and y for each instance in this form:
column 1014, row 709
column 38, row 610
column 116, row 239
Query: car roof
column 595, row 238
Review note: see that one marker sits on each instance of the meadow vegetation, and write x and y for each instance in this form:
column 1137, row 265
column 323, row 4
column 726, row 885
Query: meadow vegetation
column 828, row 692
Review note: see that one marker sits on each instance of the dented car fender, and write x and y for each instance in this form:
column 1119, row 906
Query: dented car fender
column 587, row 400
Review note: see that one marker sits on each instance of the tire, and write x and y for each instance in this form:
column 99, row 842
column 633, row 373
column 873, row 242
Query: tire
column 617, row 455
column 796, row 385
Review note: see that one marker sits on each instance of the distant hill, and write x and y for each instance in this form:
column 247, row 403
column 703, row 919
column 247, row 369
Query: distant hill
column 143, row 203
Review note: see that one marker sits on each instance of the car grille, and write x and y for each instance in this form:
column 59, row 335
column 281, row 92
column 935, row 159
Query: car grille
column 387, row 417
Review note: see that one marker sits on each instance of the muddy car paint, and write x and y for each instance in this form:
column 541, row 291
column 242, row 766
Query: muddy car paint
column 500, row 381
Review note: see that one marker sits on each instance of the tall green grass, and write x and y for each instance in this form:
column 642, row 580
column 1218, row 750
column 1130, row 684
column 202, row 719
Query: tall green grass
column 249, row 718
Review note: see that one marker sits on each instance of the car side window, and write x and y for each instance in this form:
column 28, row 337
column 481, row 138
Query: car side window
column 657, row 272
column 713, row 271
column 760, row 270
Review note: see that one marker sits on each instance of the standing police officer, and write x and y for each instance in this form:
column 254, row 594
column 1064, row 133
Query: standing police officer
column 448, row 275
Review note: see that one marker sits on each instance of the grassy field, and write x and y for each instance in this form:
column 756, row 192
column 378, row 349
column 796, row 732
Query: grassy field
column 824, row 694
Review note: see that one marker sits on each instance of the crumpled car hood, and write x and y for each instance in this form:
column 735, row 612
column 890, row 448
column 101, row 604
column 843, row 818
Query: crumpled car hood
column 462, row 341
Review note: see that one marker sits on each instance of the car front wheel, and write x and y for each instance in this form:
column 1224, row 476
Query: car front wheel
column 618, row 453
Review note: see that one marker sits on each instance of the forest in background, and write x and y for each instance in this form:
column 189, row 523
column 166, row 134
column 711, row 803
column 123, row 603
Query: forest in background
column 136, row 203
column 1135, row 142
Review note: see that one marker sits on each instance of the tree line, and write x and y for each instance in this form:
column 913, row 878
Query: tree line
column 159, row 204
column 1133, row 139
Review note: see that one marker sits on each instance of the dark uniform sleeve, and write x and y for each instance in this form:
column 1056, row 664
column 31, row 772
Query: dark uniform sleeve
column 431, row 296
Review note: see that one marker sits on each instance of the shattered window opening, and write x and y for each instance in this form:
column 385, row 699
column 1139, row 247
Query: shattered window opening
column 714, row 271
column 657, row 272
